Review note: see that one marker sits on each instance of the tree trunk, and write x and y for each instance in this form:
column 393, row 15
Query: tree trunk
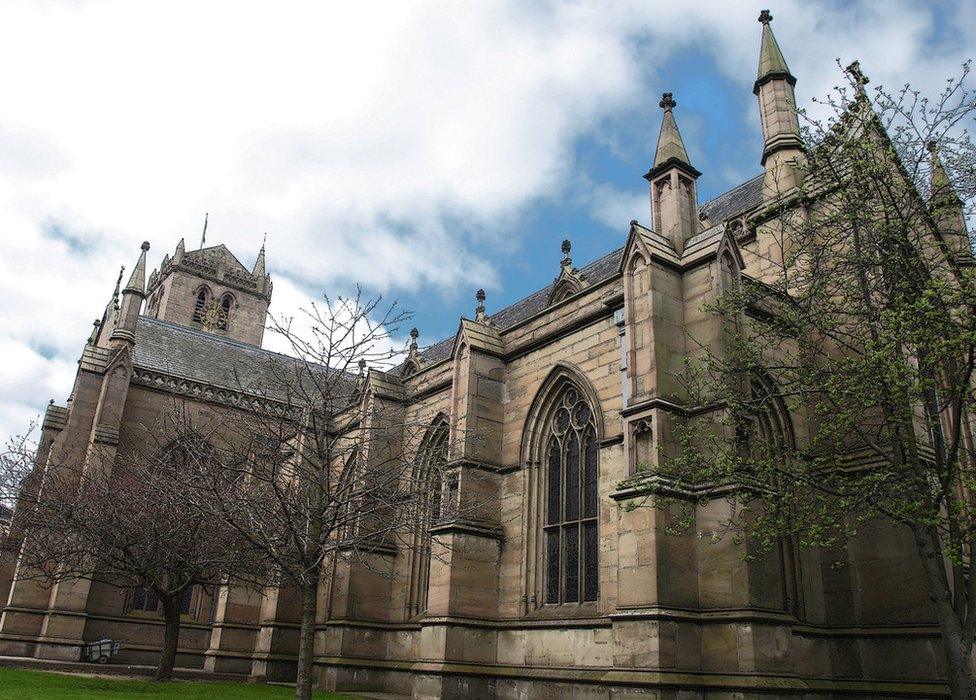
column 306, row 641
column 958, row 663
column 171, row 637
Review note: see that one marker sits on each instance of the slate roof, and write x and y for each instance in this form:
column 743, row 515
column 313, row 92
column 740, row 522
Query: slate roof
column 211, row 359
column 204, row 357
column 735, row 201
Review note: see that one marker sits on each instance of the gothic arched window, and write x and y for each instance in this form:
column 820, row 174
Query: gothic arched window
column 226, row 303
column 145, row 599
column 203, row 296
column 431, row 458
column 570, row 463
column 769, row 438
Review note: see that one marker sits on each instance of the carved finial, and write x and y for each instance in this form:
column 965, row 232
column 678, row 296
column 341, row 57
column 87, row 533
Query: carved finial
column 932, row 146
column 479, row 312
column 94, row 334
column 362, row 366
column 51, row 402
column 414, row 334
column 860, row 80
column 145, row 246
column 667, row 102
column 567, row 246
column 118, row 283
column 633, row 222
column 765, row 17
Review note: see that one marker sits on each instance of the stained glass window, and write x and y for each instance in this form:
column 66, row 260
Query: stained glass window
column 571, row 502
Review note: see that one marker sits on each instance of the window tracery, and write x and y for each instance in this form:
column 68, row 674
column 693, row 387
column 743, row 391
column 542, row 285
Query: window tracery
column 571, row 542
column 212, row 314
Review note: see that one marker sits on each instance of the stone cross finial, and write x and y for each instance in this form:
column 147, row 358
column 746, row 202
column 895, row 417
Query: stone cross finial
column 362, row 367
column 567, row 246
column 667, row 102
column 414, row 334
column 479, row 312
column 860, row 80
column 765, row 17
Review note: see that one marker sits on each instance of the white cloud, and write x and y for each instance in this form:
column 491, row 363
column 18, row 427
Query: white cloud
column 614, row 207
column 378, row 144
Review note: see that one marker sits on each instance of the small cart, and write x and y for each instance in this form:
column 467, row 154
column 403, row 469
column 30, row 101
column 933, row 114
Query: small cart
column 101, row 651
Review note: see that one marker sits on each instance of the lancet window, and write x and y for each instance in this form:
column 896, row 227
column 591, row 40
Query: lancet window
column 432, row 457
column 200, row 303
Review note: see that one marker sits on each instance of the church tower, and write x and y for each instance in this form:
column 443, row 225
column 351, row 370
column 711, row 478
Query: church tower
column 782, row 147
column 211, row 290
column 674, row 196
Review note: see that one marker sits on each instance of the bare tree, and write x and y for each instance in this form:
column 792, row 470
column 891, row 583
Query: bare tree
column 134, row 527
column 861, row 318
column 331, row 478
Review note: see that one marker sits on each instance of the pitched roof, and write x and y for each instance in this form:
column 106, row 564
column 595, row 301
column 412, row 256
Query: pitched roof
column 211, row 359
column 207, row 358
column 213, row 254
column 725, row 206
column 734, row 202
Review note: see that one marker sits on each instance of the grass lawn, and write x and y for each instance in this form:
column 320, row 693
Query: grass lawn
column 16, row 684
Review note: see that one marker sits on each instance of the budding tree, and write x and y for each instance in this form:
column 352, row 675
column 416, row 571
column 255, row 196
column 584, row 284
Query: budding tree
column 133, row 527
column 333, row 476
column 861, row 320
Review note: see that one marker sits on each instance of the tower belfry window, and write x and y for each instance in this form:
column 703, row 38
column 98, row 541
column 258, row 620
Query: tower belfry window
column 225, row 306
column 198, row 306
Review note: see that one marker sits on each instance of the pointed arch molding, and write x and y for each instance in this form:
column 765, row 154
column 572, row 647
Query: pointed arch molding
column 531, row 446
column 535, row 437
column 434, row 431
column 431, row 454
column 729, row 246
column 773, row 415
column 563, row 288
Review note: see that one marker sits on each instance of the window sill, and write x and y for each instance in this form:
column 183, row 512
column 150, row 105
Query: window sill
column 565, row 611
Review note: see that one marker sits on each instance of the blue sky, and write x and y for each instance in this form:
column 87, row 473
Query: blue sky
column 422, row 149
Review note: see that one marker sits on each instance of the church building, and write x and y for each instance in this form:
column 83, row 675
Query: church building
column 561, row 591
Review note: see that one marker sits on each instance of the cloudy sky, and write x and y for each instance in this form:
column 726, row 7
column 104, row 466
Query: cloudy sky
column 421, row 149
